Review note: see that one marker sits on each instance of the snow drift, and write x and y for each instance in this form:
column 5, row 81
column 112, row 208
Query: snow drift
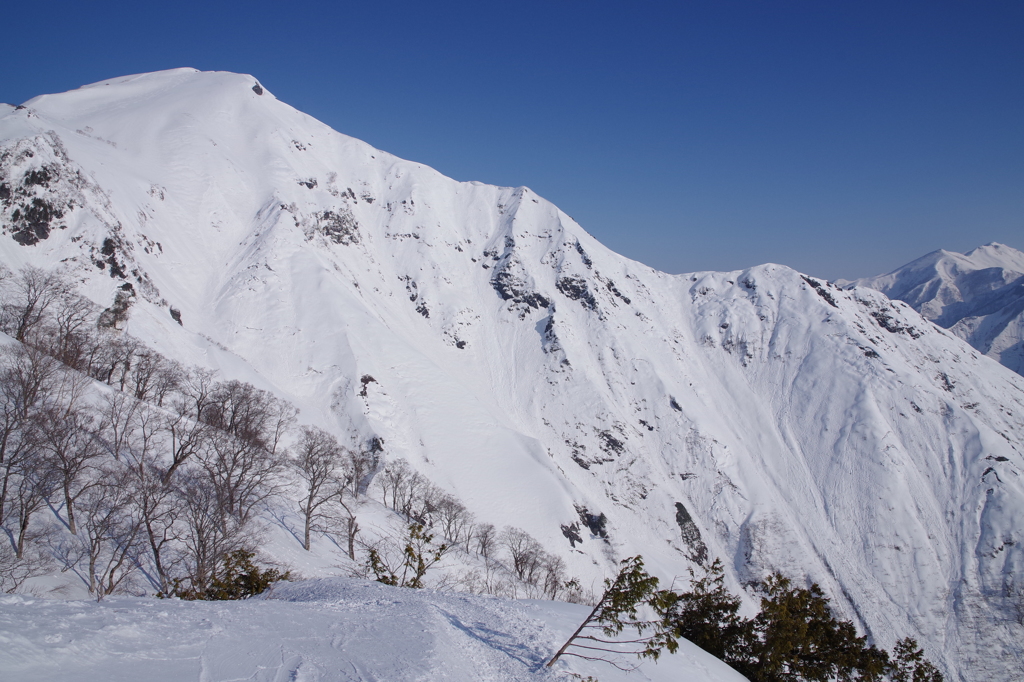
column 329, row 629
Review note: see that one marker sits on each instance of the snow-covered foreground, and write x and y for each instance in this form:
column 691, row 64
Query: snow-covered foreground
column 334, row 629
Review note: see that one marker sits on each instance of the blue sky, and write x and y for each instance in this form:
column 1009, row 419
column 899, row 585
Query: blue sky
column 841, row 138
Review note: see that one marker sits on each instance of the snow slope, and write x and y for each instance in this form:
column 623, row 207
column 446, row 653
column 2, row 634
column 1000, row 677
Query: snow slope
column 330, row 629
column 761, row 416
column 978, row 295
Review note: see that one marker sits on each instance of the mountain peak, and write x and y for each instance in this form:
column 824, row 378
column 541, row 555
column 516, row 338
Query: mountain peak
column 760, row 416
column 979, row 295
column 997, row 255
column 128, row 100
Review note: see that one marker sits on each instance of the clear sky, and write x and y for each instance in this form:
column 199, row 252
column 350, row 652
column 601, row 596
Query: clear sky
column 841, row 138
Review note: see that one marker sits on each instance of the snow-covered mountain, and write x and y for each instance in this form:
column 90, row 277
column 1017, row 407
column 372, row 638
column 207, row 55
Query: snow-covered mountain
column 760, row 416
column 978, row 295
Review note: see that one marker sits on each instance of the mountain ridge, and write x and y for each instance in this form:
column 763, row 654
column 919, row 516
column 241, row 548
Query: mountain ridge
column 830, row 434
column 978, row 295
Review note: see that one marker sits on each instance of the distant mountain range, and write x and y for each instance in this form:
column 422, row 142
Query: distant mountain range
column 762, row 416
column 978, row 295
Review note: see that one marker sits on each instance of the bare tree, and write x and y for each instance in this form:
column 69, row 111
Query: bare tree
column 118, row 422
column 27, row 379
column 552, row 581
column 350, row 525
column 452, row 519
column 144, row 372
column 110, row 541
column 243, row 475
column 187, row 432
column 392, row 480
column 525, row 553
column 116, row 357
column 155, row 500
column 165, row 382
column 186, row 437
column 209, row 533
column 15, row 570
column 67, row 437
column 26, row 483
column 411, row 494
column 249, row 414
column 318, row 461
column 238, row 454
column 71, row 338
column 486, row 537
column 28, row 297
column 93, row 354
column 424, row 501
column 491, row 580
column 196, row 389
column 31, row 483
column 153, row 377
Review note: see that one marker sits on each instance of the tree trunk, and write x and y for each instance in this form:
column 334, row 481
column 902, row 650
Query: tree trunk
column 22, row 532
column 578, row 631
column 175, row 463
column 94, row 587
column 70, row 510
column 353, row 528
column 3, row 497
column 154, row 547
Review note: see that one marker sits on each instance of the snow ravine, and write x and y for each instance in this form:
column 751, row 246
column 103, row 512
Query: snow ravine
column 763, row 417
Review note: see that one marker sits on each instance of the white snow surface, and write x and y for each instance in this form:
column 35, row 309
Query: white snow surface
column 978, row 295
column 833, row 435
column 331, row 629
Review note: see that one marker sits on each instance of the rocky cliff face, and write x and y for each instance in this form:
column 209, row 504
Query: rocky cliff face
column 764, row 417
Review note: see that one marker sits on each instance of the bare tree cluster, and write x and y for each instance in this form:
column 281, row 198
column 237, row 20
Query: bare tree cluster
column 162, row 477
column 170, row 491
column 331, row 477
column 414, row 497
column 29, row 382
column 41, row 309
column 514, row 563
column 165, row 477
